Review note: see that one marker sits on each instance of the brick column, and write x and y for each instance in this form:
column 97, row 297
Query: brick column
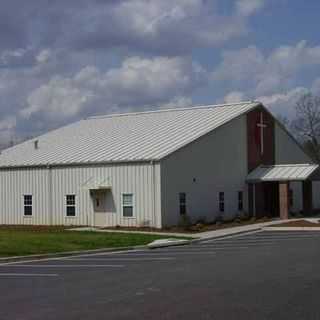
column 251, row 199
column 307, row 197
column 284, row 200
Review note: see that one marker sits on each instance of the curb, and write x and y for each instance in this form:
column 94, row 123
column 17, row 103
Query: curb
column 88, row 252
column 226, row 235
column 291, row 229
column 67, row 254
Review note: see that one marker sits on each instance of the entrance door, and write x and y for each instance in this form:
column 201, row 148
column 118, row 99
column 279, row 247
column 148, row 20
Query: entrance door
column 99, row 208
column 271, row 199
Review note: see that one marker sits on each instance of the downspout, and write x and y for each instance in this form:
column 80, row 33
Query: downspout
column 50, row 195
column 153, row 195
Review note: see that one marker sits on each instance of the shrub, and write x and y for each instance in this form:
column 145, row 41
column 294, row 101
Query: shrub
column 185, row 221
column 201, row 220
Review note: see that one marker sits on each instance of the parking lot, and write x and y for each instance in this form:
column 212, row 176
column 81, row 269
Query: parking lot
column 263, row 275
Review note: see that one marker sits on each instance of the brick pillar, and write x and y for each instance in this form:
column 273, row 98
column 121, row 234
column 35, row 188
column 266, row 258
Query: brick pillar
column 284, row 200
column 251, row 199
column 307, row 197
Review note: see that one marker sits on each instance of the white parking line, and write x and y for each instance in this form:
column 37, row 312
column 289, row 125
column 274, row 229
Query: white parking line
column 223, row 247
column 253, row 241
column 68, row 266
column 233, row 236
column 263, row 237
column 123, row 259
column 166, row 253
column 235, row 244
column 64, row 258
column 28, row 274
column 199, row 251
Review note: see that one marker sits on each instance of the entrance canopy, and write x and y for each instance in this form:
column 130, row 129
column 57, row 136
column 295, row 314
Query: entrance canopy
column 97, row 184
column 283, row 172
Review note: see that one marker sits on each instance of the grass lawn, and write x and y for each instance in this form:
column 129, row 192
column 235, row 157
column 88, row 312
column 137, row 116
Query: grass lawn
column 17, row 241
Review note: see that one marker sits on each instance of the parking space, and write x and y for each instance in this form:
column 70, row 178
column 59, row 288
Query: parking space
column 225, row 277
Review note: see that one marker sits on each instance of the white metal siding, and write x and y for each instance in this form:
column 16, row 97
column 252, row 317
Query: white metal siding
column 14, row 184
column 218, row 162
column 286, row 149
column 140, row 179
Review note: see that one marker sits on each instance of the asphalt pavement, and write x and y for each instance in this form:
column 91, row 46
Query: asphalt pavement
column 263, row 275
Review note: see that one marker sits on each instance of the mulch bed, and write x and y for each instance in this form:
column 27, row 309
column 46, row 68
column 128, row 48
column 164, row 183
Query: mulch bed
column 300, row 223
column 194, row 228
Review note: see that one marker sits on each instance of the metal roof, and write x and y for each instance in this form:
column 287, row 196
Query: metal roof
column 127, row 137
column 287, row 172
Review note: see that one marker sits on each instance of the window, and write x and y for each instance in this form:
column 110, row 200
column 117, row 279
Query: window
column 221, row 201
column 27, row 205
column 182, row 203
column 127, row 205
column 240, row 200
column 71, row 205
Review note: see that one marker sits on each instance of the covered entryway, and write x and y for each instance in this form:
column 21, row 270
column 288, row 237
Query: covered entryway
column 102, row 201
column 269, row 189
column 99, row 201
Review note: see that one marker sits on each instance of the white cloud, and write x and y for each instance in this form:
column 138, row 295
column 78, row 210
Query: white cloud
column 7, row 130
column 137, row 83
column 177, row 102
column 283, row 103
column 234, row 96
column 58, row 99
column 315, row 88
column 8, row 123
column 167, row 26
column 248, row 7
column 250, row 70
column 43, row 56
column 239, row 65
column 16, row 57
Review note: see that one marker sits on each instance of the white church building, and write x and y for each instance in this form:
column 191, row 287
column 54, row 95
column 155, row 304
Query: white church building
column 153, row 168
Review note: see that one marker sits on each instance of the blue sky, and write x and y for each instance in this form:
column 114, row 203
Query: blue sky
column 61, row 61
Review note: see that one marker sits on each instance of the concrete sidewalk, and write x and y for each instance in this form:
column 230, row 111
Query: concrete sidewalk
column 200, row 235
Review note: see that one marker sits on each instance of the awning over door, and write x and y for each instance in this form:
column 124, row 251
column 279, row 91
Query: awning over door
column 287, row 172
column 97, row 184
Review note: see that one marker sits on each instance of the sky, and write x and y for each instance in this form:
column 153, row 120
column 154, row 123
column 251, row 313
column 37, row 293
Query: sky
column 61, row 61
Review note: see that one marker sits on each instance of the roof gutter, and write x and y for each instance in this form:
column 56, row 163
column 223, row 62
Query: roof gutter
column 78, row 164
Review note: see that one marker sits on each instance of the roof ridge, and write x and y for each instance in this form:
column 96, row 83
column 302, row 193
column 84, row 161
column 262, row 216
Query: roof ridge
column 172, row 109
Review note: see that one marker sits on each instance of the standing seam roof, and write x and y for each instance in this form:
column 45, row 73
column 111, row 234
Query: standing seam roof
column 129, row 137
column 287, row 172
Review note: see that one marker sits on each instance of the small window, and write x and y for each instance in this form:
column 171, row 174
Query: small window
column 240, row 200
column 28, row 205
column 71, row 205
column 221, row 201
column 127, row 205
column 182, row 203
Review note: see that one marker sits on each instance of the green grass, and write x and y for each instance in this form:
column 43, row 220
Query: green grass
column 20, row 241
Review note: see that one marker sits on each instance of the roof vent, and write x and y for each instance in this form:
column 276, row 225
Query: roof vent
column 36, row 144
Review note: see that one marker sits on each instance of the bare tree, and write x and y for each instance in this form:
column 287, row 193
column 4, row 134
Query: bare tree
column 307, row 124
column 284, row 121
